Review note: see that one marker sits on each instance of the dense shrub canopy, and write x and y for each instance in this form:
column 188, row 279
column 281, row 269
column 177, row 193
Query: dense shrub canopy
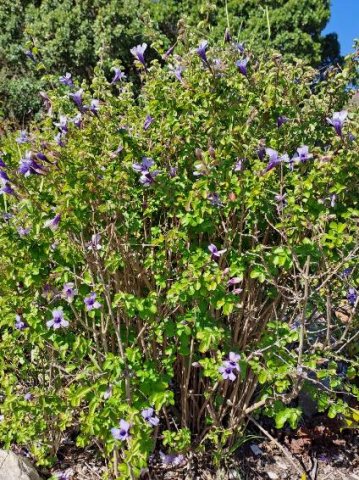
column 191, row 249
column 72, row 36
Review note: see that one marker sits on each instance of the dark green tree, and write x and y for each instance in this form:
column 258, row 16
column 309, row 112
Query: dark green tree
column 69, row 35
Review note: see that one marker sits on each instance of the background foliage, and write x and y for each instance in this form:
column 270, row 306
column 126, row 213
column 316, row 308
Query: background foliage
column 73, row 36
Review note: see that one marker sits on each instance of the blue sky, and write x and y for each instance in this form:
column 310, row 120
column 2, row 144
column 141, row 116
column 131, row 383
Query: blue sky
column 345, row 22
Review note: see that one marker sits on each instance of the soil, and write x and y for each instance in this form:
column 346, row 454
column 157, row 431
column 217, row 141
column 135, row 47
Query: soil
column 320, row 449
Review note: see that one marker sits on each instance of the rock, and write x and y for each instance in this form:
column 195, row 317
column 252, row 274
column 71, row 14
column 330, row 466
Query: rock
column 14, row 467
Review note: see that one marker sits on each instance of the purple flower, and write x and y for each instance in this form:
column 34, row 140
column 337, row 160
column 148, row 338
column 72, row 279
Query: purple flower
column 302, row 154
column 173, row 172
column 91, row 302
column 261, row 153
column 144, row 166
column 138, row 52
column 239, row 165
column 59, row 139
column 147, row 122
column 346, row 272
column 2, row 163
column 281, row 120
column 23, row 231
column 239, row 47
column 149, row 415
column 20, row 324
column 28, row 397
column 118, row 76
column 177, row 72
column 77, row 120
column 337, row 121
column 148, row 178
column 95, row 242
column 22, row 138
column 232, row 282
column 215, row 253
column 53, row 223
column 66, row 80
column 30, row 55
column 62, row 124
column 281, row 201
column 229, row 366
column 29, row 166
column 352, row 296
column 274, row 159
column 215, row 200
column 7, row 188
column 77, row 98
column 122, row 433
column 242, row 65
column 58, row 320
column 201, row 50
column 62, row 475
column 227, row 373
column 94, row 106
column 69, row 291
column 41, row 156
column 171, row 459
column 4, row 177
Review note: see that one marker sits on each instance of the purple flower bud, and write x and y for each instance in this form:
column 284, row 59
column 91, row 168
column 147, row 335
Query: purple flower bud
column 337, row 121
column 242, row 65
column 215, row 253
column 352, row 296
column 122, row 433
column 239, row 47
column 227, row 36
column 108, row 393
column 215, row 200
column 168, row 52
column 173, row 172
column 281, row 120
column 66, row 80
column 77, row 98
column 147, row 122
column 53, row 223
column 28, row 397
column 59, row 139
column 138, row 53
column 201, row 51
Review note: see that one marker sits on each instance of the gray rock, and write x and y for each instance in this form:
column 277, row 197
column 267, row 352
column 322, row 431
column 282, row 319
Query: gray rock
column 13, row 467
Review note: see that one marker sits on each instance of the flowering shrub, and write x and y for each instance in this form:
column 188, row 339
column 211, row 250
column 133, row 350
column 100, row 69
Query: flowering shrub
column 173, row 262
